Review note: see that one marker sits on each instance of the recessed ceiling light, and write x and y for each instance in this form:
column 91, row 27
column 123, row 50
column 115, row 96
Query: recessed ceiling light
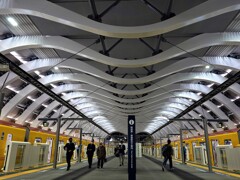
column 12, row 21
column 56, row 68
column 37, row 72
column 207, row 66
column 228, row 70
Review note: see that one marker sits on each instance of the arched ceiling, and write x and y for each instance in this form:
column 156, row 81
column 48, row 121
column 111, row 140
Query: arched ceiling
column 110, row 59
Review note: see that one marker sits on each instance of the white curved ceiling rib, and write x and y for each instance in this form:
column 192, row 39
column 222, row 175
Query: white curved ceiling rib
column 39, row 101
column 169, row 80
column 53, row 107
column 187, row 63
column 57, row 42
column 211, row 106
column 150, row 103
column 208, row 104
column 195, row 87
column 150, row 100
column 46, row 111
column 58, row 14
column 211, row 77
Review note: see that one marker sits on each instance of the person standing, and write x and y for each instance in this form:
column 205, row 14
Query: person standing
column 69, row 148
column 121, row 153
column 78, row 151
column 184, row 153
column 152, row 149
column 90, row 152
column 101, row 155
column 167, row 152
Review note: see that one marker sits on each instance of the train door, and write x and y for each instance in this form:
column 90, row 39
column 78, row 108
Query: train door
column 214, row 145
column 203, row 144
column 193, row 145
column 9, row 138
column 187, row 152
column 50, row 143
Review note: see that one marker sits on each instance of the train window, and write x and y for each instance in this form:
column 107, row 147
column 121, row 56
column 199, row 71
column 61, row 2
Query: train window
column 38, row 140
column 227, row 142
column 2, row 136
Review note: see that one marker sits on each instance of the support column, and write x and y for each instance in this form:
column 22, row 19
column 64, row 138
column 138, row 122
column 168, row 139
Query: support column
column 57, row 143
column 131, row 148
column 80, row 147
column 207, row 145
column 27, row 133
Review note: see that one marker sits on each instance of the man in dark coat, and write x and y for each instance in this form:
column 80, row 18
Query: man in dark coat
column 101, row 155
column 69, row 148
column 167, row 153
column 90, row 152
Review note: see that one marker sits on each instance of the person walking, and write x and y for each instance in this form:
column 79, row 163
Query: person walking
column 90, row 152
column 69, row 148
column 167, row 152
column 121, row 153
column 101, row 155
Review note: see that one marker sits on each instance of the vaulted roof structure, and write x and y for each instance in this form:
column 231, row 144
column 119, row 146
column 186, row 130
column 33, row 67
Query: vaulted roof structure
column 112, row 58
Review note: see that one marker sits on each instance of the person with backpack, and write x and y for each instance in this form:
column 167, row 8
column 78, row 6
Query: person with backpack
column 167, row 152
column 69, row 148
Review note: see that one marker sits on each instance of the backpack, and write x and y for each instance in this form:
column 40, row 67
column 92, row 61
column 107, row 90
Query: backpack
column 164, row 150
column 117, row 153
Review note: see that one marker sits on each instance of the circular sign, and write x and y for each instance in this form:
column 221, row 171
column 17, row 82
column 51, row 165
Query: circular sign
column 131, row 122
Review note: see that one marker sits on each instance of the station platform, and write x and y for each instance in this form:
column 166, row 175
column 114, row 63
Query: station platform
column 148, row 168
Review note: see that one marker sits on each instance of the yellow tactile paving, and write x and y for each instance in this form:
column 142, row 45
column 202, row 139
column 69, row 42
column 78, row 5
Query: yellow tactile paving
column 30, row 171
column 214, row 170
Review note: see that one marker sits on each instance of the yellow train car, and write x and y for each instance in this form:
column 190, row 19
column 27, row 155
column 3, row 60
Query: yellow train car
column 228, row 137
column 221, row 138
column 14, row 132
